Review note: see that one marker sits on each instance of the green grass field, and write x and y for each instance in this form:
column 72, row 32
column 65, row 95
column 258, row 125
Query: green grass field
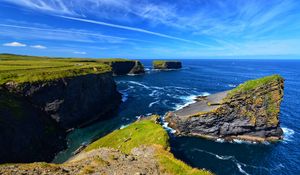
column 22, row 68
column 147, row 132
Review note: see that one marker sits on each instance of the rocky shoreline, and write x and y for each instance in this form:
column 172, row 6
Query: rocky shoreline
column 251, row 115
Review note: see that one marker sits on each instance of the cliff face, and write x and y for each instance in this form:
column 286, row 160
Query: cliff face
column 140, row 148
column 35, row 115
column 249, row 112
column 127, row 67
column 167, row 65
column 27, row 134
column 72, row 101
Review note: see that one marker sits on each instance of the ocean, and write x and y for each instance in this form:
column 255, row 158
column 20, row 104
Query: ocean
column 158, row 92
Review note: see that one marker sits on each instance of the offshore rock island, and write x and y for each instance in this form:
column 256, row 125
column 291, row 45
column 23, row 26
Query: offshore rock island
column 166, row 65
column 248, row 112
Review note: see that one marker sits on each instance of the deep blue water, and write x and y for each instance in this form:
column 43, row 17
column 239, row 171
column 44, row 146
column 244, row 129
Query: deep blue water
column 160, row 91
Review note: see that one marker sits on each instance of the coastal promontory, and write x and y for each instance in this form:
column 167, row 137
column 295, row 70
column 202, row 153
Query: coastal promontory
column 41, row 98
column 166, row 65
column 248, row 112
column 140, row 148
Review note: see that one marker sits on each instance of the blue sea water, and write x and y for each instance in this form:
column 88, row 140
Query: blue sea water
column 157, row 92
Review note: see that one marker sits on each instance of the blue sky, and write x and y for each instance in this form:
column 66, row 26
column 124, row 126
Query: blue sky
column 150, row 29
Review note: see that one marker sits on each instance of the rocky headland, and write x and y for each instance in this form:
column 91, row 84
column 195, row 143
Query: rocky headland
column 248, row 112
column 140, row 148
column 166, row 65
column 41, row 98
column 125, row 67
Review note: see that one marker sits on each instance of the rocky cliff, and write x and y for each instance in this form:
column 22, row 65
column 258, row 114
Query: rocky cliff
column 140, row 148
column 72, row 101
column 248, row 112
column 27, row 133
column 164, row 65
column 127, row 67
column 42, row 97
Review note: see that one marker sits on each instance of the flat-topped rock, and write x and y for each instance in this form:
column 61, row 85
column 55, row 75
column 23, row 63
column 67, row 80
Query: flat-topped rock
column 165, row 65
column 248, row 112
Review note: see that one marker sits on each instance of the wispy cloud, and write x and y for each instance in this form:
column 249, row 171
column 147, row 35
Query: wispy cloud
column 133, row 29
column 14, row 44
column 213, row 27
column 58, row 34
column 78, row 52
column 39, row 47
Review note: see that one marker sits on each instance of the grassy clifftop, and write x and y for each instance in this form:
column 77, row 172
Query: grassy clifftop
column 22, row 68
column 253, row 84
column 148, row 133
column 140, row 148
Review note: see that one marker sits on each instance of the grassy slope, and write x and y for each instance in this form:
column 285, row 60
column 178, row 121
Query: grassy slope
column 252, row 84
column 20, row 68
column 146, row 132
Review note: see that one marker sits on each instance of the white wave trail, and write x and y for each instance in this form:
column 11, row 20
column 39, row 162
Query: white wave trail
column 152, row 103
column 288, row 134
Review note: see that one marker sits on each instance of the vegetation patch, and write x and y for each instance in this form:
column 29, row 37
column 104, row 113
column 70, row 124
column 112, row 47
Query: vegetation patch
column 22, row 68
column 144, row 132
column 252, row 84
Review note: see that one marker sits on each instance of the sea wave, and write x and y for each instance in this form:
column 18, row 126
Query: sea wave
column 187, row 100
column 288, row 134
column 239, row 164
column 152, row 103
column 231, row 85
column 241, row 169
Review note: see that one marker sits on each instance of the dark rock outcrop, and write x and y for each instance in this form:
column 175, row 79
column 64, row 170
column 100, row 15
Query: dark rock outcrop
column 127, row 67
column 35, row 115
column 165, row 65
column 249, row 112
column 27, row 134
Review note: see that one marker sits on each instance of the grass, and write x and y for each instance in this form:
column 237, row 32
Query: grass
column 144, row 132
column 252, row 84
column 22, row 68
column 147, row 132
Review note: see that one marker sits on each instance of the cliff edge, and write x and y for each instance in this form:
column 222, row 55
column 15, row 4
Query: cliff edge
column 42, row 98
column 140, row 148
column 248, row 112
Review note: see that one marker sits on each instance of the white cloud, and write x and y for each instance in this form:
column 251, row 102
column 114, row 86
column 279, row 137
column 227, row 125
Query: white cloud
column 14, row 44
column 78, row 52
column 133, row 29
column 39, row 47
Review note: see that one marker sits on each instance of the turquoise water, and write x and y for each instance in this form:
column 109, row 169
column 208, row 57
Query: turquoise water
column 157, row 92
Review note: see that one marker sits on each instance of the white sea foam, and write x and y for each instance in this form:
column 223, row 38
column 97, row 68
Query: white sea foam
column 139, row 84
column 241, row 169
column 153, row 93
column 123, row 126
column 231, row 85
column 288, row 134
column 166, row 126
column 153, row 103
column 243, row 141
column 220, row 140
column 223, row 157
column 124, row 96
column 187, row 100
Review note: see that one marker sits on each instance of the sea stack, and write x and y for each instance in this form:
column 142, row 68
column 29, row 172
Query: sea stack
column 165, row 65
column 248, row 112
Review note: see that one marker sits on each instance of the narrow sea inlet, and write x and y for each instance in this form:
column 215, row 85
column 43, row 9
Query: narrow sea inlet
column 158, row 92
